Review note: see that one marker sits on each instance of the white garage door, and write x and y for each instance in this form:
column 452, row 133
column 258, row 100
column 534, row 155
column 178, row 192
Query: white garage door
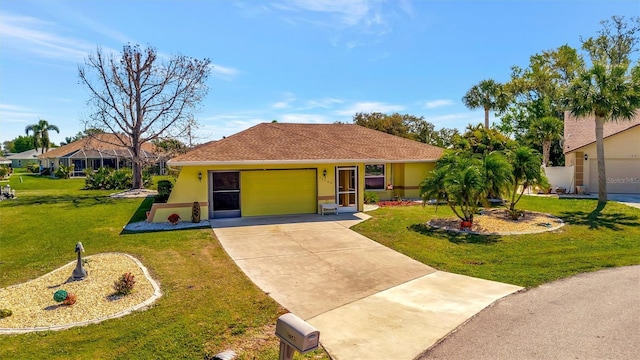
column 623, row 176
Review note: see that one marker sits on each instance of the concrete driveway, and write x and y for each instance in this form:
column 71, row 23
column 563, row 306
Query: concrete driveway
column 632, row 200
column 368, row 301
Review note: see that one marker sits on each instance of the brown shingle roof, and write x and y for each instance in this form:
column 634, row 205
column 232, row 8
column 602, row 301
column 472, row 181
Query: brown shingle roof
column 582, row 131
column 284, row 142
column 104, row 142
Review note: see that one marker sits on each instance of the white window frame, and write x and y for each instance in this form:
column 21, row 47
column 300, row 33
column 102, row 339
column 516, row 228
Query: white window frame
column 383, row 176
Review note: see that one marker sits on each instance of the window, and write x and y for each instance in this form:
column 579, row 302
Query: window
column 374, row 177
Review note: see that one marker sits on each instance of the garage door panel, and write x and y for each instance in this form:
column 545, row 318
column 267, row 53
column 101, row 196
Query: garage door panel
column 623, row 176
column 278, row 192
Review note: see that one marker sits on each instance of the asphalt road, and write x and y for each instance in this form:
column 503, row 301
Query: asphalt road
column 588, row 316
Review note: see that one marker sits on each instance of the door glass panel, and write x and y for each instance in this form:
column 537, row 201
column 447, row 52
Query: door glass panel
column 347, row 188
column 226, row 181
column 226, row 201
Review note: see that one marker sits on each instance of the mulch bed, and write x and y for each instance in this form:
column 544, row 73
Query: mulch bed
column 497, row 222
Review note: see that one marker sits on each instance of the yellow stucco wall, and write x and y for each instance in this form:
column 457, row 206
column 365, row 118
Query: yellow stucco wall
column 414, row 173
column 622, row 148
column 188, row 188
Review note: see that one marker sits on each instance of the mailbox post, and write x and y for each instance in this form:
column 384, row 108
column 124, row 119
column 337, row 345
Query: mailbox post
column 295, row 334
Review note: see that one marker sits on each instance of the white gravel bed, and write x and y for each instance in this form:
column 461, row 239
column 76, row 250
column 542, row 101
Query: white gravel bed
column 34, row 309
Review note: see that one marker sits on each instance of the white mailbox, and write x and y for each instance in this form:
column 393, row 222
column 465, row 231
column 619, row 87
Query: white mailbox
column 297, row 333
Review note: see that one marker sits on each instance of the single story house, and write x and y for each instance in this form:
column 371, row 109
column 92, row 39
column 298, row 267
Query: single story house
column 284, row 168
column 96, row 151
column 622, row 154
column 4, row 161
column 23, row 159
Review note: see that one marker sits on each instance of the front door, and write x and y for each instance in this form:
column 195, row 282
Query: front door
column 225, row 194
column 347, row 189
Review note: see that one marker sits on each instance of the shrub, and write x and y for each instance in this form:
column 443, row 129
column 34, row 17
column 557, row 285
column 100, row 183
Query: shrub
column 370, row 197
column 33, row 168
column 164, row 190
column 64, row 172
column 3, row 171
column 109, row 179
column 124, row 285
column 5, row 313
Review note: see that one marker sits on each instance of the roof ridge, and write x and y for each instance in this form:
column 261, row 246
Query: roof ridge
column 347, row 148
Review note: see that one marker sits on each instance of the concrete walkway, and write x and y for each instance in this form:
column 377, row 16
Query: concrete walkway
column 368, row 301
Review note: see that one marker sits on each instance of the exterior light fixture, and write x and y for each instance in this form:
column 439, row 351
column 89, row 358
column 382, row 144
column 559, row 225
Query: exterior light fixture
column 200, row 176
column 324, row 173
column 586, row 157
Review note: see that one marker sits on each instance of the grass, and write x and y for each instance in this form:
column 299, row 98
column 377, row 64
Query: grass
column 592, row 239
column 208, row 304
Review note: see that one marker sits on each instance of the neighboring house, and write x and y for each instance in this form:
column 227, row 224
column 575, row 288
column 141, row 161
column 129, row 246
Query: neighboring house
column 278, row 169
column 621, row 150
column 23, row 159
column 4, row 161
column 96, row 151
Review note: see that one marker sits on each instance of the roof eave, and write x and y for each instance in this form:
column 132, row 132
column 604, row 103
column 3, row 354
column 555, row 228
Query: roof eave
column 293, row 162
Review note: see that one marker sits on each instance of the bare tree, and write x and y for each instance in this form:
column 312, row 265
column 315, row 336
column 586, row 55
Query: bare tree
column 139, row 98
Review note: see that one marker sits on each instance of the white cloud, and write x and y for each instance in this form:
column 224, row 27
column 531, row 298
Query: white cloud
column 322, row 103
column 350, row 12
column 224, row 72
column 39, row 37
column 304, row 118
column 363, row 21
column 16, row 114
column 367, row 107
column 432, row 104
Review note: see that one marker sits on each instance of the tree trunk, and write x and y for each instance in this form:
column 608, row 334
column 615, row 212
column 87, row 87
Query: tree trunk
column 602, row 176
column 546, row 150
column 486, row 118
column 136, row 165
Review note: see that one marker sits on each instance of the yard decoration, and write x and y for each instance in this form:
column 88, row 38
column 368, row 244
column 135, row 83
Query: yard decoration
column 466, row 225
column 60, row 295
column 174, row 219
column 70, row 299
column 195, row 212
column 79, row 272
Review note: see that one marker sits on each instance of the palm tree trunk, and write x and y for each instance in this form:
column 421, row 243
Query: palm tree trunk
column 602, row 176
column 546, row 150
column 486, row 118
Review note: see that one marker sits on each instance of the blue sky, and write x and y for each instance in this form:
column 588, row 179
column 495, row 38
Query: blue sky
column 309, row 61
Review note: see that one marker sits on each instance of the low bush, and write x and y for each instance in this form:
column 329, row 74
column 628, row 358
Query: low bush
column 110, row 179
column 124, row 285
column 3, row 171
column 370, row 197
column 64, row 172
column 33, row 168
column 164, row 190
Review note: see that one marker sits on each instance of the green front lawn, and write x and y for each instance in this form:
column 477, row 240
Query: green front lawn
column 588, row 242
column 208, row 304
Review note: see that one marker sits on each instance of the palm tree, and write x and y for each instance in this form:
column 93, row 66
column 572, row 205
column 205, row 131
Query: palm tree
column 497, row 174
column 609, row 94
column 41, row 134
column 545, row 130
column 488, row 95
column 526, row 172
column 463, row 181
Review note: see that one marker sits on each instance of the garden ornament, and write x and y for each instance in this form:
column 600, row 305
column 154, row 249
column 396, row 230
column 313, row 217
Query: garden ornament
column 79, row 273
